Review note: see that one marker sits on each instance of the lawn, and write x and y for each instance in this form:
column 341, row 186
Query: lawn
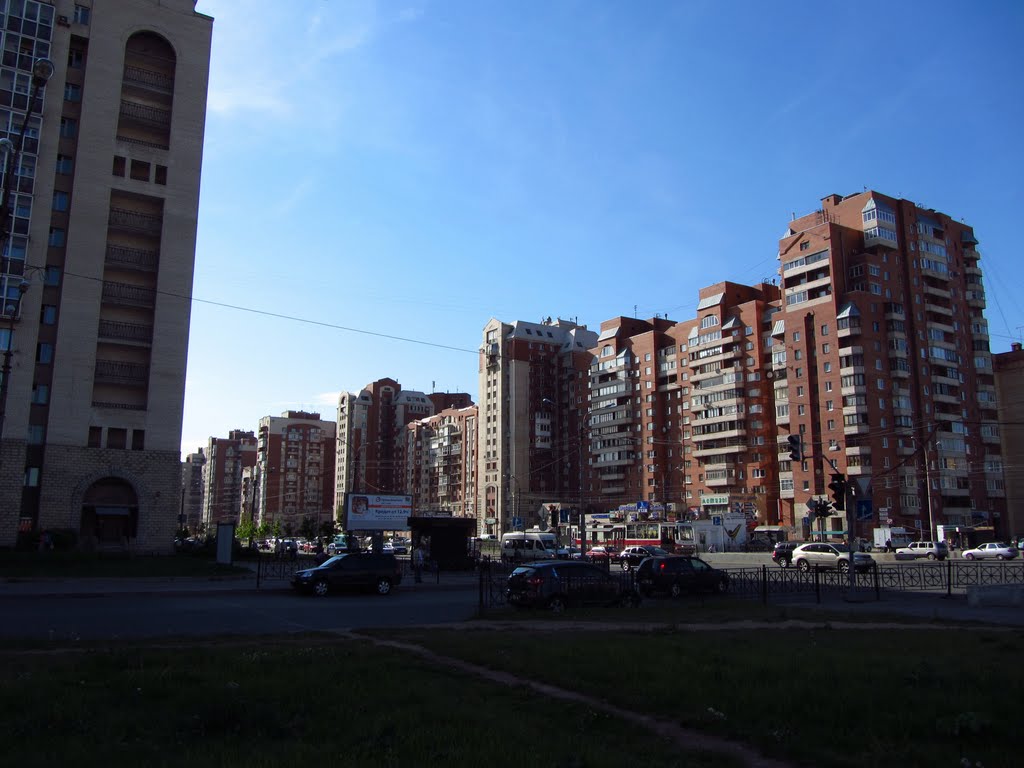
column 823, row 697
column 300, row 701
column 15, row 565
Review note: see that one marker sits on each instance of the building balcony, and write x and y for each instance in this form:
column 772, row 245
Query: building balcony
column 971, row 268
column 124, row 294
column 610, row 476
column 718, row 449
column 975, row 298
column 850, row 329
column 860, row 389
column 946, row 398
column 117, row 372
column 143, row 113
column 880, row 236
column 899, row 352
column 939, row 324
column 132, row 258
column 114, row 330
column 609, row 490
column 148, row 79
column 936, row 290
column 990, row 439
column 716, row 481
column 851, row 370
column 135, row 221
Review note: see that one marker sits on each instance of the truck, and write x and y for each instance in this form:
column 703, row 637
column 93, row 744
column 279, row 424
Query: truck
column 890, row 539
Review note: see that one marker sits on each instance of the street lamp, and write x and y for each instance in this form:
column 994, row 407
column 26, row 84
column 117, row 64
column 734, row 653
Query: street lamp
column 517, row 495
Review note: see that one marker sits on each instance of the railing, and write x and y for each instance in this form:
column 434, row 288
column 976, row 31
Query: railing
column 146, row 114
column 132, row 295
column 149, row 78
column 138, row 258
column 135, row 220
column 143, row 142
column 115, row 329
column 117, row 372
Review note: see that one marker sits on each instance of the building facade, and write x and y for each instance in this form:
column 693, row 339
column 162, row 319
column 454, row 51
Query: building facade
column 533, row 401
column 226, row 459
column 294, row 481
column 1009, row 372
column 103, row 237
column 191, row 515
column 439, row 460
column 371, row 436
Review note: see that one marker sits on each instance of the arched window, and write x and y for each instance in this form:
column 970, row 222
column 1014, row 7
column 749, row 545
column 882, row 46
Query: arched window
column 708, row 321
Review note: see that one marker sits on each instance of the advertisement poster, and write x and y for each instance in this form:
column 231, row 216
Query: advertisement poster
column 375, row 512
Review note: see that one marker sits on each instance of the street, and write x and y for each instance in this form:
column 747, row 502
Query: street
column 241, row 612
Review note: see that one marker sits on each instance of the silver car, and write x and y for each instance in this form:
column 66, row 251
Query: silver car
column 992, row 549
column 826, row 555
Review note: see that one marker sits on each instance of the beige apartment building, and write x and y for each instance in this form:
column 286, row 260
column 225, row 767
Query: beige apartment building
column 103, row 234
column 438, row 455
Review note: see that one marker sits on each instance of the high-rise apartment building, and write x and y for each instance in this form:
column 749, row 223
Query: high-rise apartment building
column 1009, row 371
column 533, row 401
column 102, row 232
column 294, row 471
column 888, row 372
column 191, row 515
column 439, row 461
column 370, row 437
column 226, row 460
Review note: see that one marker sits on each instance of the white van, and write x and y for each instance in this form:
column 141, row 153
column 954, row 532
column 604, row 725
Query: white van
column 521, row 546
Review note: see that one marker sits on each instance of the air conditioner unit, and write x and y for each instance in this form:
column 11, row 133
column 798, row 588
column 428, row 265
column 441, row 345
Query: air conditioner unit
column 62, row 21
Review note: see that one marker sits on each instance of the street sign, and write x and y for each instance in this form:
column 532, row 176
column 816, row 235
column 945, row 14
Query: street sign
column 864, row 509
column 812, row 506
column 517, row 522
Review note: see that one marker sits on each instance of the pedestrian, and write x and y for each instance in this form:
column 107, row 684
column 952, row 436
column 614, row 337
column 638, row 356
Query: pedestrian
column 417, row 562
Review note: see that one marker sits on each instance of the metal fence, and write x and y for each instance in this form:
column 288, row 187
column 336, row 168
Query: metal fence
column 767, row 583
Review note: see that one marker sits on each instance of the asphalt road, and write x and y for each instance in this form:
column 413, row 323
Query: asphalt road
column 127, row 615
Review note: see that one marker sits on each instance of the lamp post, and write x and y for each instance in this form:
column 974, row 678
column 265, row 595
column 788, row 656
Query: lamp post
column 517, row 495
column 10, row 314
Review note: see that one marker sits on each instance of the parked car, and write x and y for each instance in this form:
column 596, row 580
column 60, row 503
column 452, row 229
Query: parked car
column 933, row 550
column 558, row 584
column 828, row 555
column 631, row 557
column 782, row 553
column 601, row 554
column 399, row 546
column 568, row 553
column 993, row 549
column 679, row 574
column 351, row 570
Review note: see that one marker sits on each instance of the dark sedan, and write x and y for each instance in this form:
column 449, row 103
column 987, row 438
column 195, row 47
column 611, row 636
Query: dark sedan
column 679, row 574
column 557, row 584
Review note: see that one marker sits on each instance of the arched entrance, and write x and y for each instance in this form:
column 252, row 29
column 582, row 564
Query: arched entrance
column 110, row 512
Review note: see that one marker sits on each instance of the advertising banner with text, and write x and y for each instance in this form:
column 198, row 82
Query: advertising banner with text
column 374, row 512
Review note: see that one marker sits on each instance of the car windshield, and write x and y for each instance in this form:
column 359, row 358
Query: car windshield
column 655, row 551
column 521, row 571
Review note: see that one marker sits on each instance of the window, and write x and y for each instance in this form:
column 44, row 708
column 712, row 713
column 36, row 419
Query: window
column 95, row 437
column 65, row 165
column 805, row 245
column 72, row 92
column 117, row 437
column 76, row 58
column 44, row 353
column 119, row 166
column 60, row 200
column 825, row 348
column 40, row 394
column 52, row 276
column 827, row 367
column 138, row 439
column 796, row 336
column 140, row 172
column 824, row 330
column 161, row 175
column 56, row 237
column 36, row 433
column 68, row 127
column 48, row 314
column 31, row 477
column 81, row 14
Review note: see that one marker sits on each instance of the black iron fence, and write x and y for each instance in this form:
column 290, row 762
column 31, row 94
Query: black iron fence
column 767, row 583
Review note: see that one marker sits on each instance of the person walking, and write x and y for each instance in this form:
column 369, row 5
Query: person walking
column 418, row 557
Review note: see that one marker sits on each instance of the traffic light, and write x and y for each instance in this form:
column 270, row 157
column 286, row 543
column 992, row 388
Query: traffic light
column 553, row 511
column 824, row 508
column 838, row 488
column 796, row 451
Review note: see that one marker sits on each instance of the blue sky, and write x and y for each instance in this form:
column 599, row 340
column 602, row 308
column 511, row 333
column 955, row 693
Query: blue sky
column 396, row 173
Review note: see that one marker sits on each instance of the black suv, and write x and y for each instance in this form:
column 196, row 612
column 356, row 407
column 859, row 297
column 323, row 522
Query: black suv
column 557, row 584
column 678, row 574
column 783, row 553
column 631, row 557
column 351, row 570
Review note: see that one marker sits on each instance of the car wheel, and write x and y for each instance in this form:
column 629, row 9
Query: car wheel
column 968, row 556
column 675, row 590
column 783, row 563
column 843, row 566
column 1000, row 557
column 557, row 604
column 383, row 586
column 803, row 565
column 320, row 588
column 931, row 555
column 722, row 586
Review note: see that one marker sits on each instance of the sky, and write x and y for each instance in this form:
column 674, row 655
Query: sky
column 382, row 178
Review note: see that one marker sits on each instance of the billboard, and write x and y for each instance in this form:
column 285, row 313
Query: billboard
column 376, row 512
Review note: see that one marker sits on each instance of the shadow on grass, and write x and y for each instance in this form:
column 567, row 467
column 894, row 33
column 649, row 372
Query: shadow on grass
column 15, row 565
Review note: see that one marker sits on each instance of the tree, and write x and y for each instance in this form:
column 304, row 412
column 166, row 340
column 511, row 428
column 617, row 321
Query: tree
column 328, row 529
column 307, row 529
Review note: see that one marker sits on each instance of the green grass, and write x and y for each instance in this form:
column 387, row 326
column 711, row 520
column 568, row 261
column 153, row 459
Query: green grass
column 298, row 702
column 873, row 697
column 15, row 565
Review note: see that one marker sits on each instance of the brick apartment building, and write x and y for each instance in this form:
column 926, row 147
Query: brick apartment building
column 1009, row 371
column 191, row 515
column 226, row 459
column 102, row 238
column 294, row 478
column 438, row 455
column 533, row 398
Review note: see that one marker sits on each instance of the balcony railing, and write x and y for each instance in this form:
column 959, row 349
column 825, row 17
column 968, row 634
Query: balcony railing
column 146, row 114
column 135, row 220
column 128, row 295
column 133, row 258
column 146, row 77
column 121, row 331
column 117, row 372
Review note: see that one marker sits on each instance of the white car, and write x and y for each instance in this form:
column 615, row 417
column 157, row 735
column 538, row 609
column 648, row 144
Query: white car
column 807, row 556
column 992, row 549
column 933, row 550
